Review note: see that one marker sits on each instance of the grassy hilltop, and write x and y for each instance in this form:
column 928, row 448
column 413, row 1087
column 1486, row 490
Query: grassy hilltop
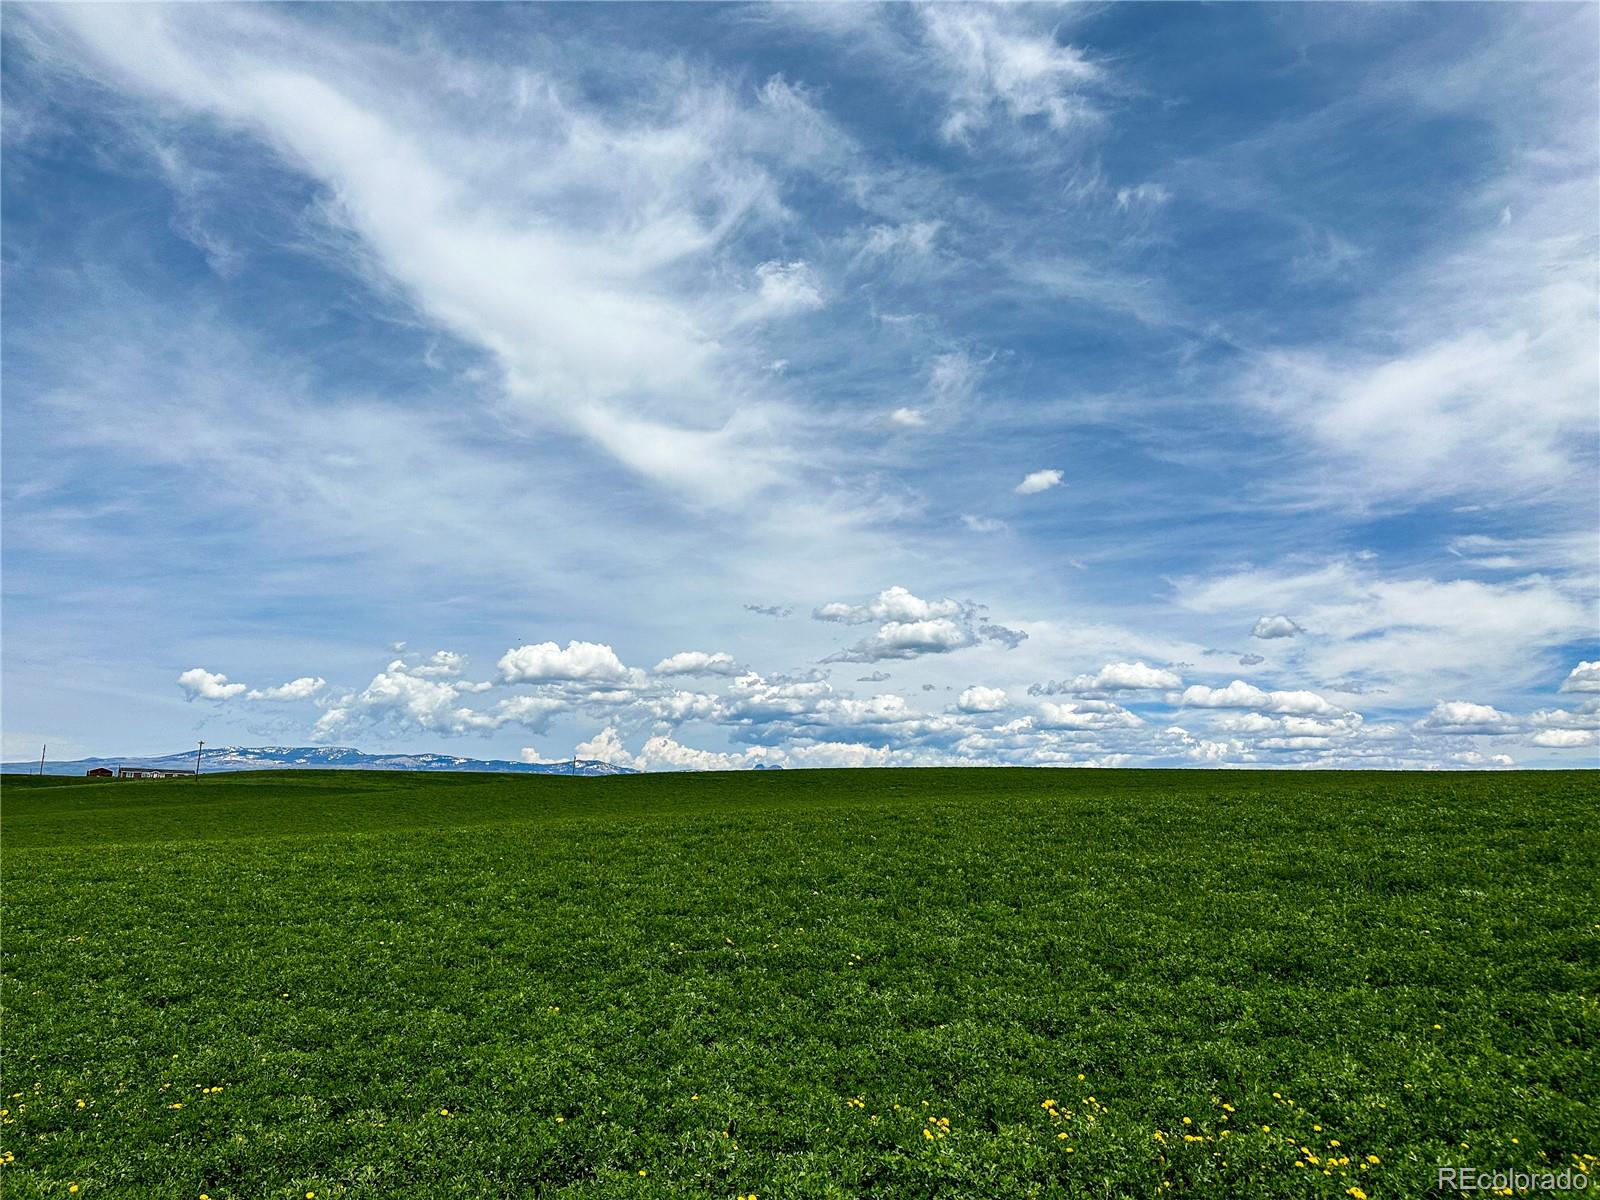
column 978, row 983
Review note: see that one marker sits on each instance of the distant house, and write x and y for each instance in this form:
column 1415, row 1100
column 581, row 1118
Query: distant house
column 150, row 773
column 99, row 772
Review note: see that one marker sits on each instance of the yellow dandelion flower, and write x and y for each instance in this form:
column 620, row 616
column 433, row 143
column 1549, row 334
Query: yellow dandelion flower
column 1186, row 1121
column 1355, row 1193
column 643, row 1172
column 1061, row 1137
column 1080, row 1078
column 72, row 1187
column 1266, row 1129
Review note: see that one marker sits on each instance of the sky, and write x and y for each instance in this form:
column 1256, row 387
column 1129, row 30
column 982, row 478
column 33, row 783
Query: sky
column 712, row 386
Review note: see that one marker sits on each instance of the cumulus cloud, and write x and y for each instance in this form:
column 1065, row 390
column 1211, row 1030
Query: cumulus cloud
column 199, row 684
column 911, row 627
column 1240, row 694
column 303, row 688
column 1585, row 716
column 1085, row 714
column 1278, row 626
column 1126, row 677
column 892, row 604
column 1463, row 717
column 1565, row 739
column 662, row 753
column 908, row 639
column 908, row 418
column 531, row 712
column 605, row 746
column 399, row 698
column 680, row 706
column 1585, row 677
column 1038, row 481
column 548, row 662
column 980, row 699
column 698, row 662
column 442, row 664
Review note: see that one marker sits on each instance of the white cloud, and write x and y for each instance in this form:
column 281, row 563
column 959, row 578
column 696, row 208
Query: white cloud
column 1240, row 694
column 530, row 712
column 1143, row 195
column 892, row 604
column 548, row 662
column 698, row 662
column 1086, row 714
column 1278, row 626
column 1418, row 638
column 983, row 524
column 908, row 418
column 662, row 753
column 681, row 706
column 1565, row 739
column 1475, row 758
column 908, row 639
column 1585, row 677
column 580, row 249
column 200, row 684
column 787, row 288
column 442, row 664
column 1463, row 717
column 1038, row 481
column 399, row 698
column 303, row 688
column 911, row 239
column 980, row 699
column 993, row 61
column 605, row 746
column 1119, row 677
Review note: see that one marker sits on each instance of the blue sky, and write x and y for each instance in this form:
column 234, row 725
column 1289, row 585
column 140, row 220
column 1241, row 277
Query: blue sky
column 703, row 386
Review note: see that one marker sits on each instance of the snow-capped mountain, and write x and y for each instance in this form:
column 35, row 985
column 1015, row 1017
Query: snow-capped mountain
column 313, row 758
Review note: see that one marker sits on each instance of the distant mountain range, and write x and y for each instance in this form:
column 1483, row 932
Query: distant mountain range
column 312, row 758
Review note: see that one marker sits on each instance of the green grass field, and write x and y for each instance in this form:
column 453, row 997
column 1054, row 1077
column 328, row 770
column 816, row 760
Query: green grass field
column 978, row 983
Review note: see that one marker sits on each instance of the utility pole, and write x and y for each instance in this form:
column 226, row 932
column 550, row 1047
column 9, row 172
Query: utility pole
column 197, row 760
column 42, row 749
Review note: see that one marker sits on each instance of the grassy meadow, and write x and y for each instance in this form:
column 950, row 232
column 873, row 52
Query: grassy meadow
column 965, row 983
